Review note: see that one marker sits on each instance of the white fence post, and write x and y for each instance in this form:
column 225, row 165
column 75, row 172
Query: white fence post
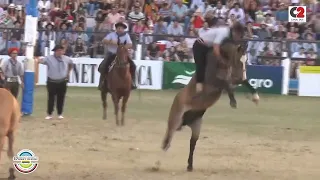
column 285, row 63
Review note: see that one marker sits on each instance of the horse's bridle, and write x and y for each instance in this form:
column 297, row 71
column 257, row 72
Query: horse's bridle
column 120, row 63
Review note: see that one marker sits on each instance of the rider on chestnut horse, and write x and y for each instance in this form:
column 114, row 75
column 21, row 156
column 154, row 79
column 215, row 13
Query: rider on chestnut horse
column 112, row 40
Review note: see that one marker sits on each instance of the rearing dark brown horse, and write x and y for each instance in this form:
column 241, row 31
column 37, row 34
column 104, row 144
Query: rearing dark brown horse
column 186, row 110
column 119, row 83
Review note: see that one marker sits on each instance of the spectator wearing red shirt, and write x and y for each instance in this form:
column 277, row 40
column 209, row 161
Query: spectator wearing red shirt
column 197, row 19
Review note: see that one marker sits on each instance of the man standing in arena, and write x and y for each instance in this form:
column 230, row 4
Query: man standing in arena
column 59, row 68
column 112, row 40
column 13, row 71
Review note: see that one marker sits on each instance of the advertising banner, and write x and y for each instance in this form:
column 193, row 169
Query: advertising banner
column 85, row 73
column 266, row 79
column 149, row 74
column 177, row 75
column 309, row 81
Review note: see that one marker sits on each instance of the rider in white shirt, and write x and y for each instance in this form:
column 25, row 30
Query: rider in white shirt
column 212, row 38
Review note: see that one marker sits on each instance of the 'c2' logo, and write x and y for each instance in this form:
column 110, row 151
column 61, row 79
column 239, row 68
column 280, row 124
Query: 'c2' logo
column 297, row 12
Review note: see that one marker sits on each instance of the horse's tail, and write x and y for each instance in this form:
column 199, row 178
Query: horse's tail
column 173, row 121
column 16, row 115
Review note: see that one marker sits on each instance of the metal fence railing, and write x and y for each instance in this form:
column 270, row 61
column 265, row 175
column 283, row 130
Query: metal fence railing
column 160, row 47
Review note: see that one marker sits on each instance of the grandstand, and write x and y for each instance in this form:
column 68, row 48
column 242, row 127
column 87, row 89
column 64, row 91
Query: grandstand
column 80, row 26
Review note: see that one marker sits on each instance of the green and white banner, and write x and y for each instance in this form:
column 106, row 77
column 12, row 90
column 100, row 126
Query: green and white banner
column 177, row 74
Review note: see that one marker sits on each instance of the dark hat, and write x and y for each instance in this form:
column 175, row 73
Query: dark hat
column 120, row 24
column 57, row 47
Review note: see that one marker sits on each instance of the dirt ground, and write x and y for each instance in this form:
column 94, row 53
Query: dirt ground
column 277, row 140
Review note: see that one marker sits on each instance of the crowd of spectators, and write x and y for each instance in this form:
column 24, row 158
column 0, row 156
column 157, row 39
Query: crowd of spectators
column 169, row 26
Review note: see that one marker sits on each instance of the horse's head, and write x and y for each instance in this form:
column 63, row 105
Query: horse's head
column 239, row 62
column 122, row 58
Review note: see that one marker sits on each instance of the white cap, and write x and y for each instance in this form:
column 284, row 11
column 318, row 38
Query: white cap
column 11, row 6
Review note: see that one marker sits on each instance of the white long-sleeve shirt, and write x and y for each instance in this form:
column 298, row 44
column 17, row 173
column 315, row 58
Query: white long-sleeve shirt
column 215, row 35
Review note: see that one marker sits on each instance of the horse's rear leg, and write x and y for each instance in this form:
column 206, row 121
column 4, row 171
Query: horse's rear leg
column 230, row 90
column 233, row 101
column 10, row 153
column 2, row 141
column 195, row 128
column 104, row 104
column 174, row 121
column 116, row 100
column 123, row 109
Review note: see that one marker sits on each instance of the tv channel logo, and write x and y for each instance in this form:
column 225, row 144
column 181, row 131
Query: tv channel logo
column 297, row 14
column 25, row 161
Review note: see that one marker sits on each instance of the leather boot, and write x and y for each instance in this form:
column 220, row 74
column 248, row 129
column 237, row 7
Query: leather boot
column 133, row 75
column 101, row 83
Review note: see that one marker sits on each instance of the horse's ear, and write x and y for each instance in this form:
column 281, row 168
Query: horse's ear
column 125, row 42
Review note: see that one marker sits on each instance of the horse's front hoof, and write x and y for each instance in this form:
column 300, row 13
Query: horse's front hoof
column 165, row 145
column 233, row 104
column 189, row 168
column 255, row 98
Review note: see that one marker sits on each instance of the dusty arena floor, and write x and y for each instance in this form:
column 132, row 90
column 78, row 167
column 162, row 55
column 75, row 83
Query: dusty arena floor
column 277, row 140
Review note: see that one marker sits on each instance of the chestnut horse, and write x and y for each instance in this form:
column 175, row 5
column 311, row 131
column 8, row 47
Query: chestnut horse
column 9, row 120
column 187, row 110
column 119, row 82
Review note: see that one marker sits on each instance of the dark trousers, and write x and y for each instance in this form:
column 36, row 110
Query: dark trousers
column 13, row 87
column 56, row 91
column 200, row 53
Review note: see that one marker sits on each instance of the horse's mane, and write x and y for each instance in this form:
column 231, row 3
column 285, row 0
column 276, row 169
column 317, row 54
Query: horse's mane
column 232, row 53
